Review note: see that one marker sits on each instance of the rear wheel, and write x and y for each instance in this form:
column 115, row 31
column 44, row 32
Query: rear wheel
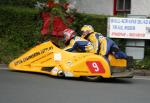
column 92, row 78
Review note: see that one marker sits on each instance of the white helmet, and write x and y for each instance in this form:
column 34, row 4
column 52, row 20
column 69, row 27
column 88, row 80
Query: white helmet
column 68, row 34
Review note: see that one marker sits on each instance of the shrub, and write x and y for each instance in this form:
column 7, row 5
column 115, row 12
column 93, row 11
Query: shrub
column 18, row 31
column 142, row 64
column 97, row 21
column 25, row 3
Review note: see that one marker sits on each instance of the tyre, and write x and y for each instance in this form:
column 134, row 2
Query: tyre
column 92, row 78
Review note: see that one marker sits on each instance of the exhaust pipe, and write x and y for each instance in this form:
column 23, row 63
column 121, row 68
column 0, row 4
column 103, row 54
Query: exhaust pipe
column 60, row 73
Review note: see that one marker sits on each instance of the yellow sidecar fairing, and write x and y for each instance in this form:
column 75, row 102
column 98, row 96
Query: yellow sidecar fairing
column 47, row 58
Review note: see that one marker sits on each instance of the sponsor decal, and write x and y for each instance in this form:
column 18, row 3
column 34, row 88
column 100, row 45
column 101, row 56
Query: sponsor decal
column 57, row 56
column 33, row 55
column 95, row 67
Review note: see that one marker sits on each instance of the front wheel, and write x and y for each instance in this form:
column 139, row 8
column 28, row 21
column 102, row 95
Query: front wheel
column 92, row 78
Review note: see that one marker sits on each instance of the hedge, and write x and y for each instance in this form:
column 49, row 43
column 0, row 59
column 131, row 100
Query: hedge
column 99, row 22
column 25, row 3
column 142, row 64
column 17, row 31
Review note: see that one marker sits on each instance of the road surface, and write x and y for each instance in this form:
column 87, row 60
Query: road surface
column 20, row 87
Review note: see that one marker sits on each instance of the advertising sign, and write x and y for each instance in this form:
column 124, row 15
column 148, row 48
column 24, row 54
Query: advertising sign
column 133, row 28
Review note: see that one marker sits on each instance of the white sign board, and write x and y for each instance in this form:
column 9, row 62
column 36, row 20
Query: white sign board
column 133, row 28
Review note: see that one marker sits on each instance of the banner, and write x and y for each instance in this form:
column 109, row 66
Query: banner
column 133, row 28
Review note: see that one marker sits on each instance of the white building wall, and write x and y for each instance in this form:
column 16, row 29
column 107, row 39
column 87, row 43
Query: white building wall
column 103, row 7
column 140, row 7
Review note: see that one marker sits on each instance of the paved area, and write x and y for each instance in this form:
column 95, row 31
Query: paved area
column 3, row 66
column 20, row 87
column 142, row 72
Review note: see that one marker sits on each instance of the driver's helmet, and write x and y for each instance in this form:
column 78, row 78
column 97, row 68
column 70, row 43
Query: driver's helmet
column 68, row 34
column 86, row 29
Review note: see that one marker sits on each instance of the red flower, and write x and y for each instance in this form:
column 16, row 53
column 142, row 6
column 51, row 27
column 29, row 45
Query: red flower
column 51, row 4
column 46, row 22
column 70, row 20
column 58, row 26
column 65, row 5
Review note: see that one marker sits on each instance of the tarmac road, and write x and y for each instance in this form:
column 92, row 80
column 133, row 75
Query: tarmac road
column 19, row 87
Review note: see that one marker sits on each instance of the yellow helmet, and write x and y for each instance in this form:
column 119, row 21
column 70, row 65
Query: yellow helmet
column 86, row 29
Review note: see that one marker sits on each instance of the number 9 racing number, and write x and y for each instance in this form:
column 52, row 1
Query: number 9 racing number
column 95, row 67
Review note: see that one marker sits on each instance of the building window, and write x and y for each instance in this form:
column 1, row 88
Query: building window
column 122, row 7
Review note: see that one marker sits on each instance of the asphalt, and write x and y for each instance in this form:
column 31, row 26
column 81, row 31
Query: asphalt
column 137, row 72
column 20, row 87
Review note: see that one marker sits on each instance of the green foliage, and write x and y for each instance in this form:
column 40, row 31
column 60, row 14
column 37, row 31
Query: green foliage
column 25, row 3
column 97, row 21
column 142, row 64
column 63, row 1
column 18, row 31
column 147, row 48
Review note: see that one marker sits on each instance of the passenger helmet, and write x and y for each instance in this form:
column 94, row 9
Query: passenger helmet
column 68, row 34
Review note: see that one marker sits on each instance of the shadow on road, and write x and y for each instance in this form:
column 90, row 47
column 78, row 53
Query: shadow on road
column 111, row 80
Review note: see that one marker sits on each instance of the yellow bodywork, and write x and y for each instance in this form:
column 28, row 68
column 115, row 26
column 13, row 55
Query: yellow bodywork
column 49, row 59
column 117, row 62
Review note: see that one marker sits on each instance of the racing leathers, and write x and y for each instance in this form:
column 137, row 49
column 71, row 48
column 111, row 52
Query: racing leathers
column 103, row 45
column 78, row 43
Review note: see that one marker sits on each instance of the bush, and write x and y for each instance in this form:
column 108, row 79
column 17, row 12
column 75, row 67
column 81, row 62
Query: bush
column 25, row 3
column 18, row 31
column 99, row 22
column 142, row 64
